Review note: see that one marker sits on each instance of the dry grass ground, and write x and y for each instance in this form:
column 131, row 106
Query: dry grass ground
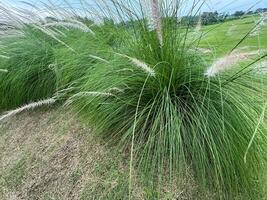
column 49, row 155
column 46, row 155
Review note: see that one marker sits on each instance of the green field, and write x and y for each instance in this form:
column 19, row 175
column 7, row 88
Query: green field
column 221, row 38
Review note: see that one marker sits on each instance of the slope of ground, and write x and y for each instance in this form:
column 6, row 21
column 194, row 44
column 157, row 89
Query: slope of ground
column 49, row 154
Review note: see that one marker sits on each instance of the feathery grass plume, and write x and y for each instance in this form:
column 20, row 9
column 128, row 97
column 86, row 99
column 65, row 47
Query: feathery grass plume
column 140, row 64
column 62, row 94
column 30, row 106
column 143, row 66
column 6, row 57
column 3, row 70
column 228, row 61
column 156, row 17
column 72, row 25
column 152, row 10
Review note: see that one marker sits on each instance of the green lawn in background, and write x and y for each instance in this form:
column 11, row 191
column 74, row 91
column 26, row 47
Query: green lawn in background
column 221, row 38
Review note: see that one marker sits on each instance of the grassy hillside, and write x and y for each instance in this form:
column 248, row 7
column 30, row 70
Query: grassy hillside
column 221, row 38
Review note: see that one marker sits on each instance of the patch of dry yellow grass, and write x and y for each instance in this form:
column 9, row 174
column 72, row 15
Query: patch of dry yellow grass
column 51, row 155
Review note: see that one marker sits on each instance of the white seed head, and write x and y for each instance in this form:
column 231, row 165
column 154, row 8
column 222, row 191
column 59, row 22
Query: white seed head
column 143, row 66
column 28, row 107
column 3, row 56
column 228, row 61
column 3, row 70
column 74, row 25
column 153, row 15
column 140, row 64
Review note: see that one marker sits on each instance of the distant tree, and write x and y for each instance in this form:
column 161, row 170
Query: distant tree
column 209, row 17
column 239, row 13
column 108, row 21
column 5, row 26
column 85, row 20
column 51, row 19
column 261, row 10
column 189, row 20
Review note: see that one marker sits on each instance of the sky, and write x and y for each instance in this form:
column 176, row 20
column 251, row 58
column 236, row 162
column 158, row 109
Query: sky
column 227, row 6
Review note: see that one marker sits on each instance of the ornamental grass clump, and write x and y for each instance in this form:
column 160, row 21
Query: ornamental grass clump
column 36, row 61
column 28, row 76
column 179, row 118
